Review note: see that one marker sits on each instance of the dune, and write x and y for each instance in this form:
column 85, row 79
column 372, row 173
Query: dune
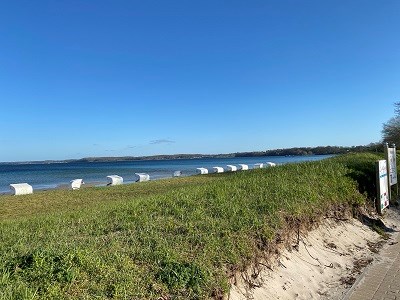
column 323, row 264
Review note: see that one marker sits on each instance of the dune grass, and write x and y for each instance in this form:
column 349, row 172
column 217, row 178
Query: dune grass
column 180, row 238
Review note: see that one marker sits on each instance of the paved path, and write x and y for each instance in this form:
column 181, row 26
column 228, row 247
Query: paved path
column 381, row 280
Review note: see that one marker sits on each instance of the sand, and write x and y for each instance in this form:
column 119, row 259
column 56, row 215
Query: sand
column 324, row 265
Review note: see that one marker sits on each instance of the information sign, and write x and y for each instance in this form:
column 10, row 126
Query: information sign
column 392, row 166
column 382, row 185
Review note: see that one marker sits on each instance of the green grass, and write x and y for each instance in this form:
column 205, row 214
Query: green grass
column 180, row 238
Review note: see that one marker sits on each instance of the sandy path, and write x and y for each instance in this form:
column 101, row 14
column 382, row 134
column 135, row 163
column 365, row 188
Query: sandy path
column 324, row 265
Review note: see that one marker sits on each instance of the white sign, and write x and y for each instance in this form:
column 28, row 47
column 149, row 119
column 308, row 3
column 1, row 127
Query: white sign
column 392, row 166
column 383, row 191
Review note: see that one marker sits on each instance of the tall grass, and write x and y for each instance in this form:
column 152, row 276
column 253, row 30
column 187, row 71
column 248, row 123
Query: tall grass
column 178, row 239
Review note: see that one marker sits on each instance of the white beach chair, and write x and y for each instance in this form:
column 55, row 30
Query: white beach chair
column 218, row 170
column 115, row 180
column 177, row 174
column 76, row 184
column 202, row 171
column 140, row 177
column 21, row 189
column 243, row 167
column 231, row 168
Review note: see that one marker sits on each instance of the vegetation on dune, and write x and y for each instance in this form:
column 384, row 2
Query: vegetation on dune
column 169, row 239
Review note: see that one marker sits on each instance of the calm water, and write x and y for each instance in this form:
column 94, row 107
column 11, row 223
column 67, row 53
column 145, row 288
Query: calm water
column 47, row 176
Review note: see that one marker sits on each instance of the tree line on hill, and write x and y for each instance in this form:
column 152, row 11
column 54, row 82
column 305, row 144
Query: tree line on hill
column 320, row 150
column 298, row 151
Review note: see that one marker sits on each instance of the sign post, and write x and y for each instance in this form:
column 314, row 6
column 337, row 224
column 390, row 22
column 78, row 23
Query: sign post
column 382, row 186
column 390, row 155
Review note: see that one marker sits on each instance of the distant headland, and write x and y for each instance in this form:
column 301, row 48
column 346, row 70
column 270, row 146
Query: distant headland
column 297, row 151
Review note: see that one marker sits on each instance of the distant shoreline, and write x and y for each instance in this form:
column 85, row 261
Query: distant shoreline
column 298, row 151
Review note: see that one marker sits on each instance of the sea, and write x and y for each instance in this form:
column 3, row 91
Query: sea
column 43, row 176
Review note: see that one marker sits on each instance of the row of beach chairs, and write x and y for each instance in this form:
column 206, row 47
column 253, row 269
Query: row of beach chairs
column 232, row 168
column 25, row 188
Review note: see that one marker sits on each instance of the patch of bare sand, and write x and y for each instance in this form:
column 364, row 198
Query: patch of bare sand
column 323, row 264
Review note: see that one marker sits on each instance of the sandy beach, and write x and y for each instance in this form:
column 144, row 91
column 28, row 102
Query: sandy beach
column 322, row 264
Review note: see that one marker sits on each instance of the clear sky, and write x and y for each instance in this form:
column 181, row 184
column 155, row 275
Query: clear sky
column 116, row 78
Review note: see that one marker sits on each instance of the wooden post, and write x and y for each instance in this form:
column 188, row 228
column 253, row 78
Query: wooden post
column 386, row 150
column 397, row 184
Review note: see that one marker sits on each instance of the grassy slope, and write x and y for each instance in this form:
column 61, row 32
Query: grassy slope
column 180, row 238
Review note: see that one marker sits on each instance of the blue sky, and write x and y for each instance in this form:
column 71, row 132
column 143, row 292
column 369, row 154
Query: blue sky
column 115, row 78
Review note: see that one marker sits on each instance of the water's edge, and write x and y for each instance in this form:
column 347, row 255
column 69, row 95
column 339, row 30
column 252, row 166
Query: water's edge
column 58, row 175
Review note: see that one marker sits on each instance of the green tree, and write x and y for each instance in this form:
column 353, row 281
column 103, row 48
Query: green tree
column 391, row 129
